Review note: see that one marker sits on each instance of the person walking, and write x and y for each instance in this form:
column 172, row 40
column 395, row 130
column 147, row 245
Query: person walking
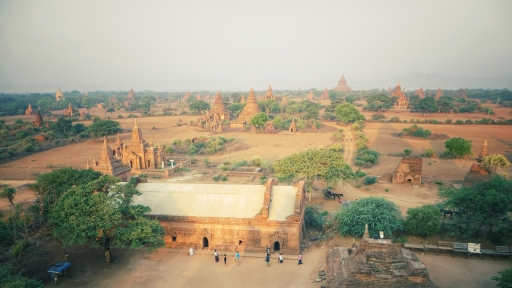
column 300, row 259
column 237, row 258
column 280, row 258
column 225, row 261
column 267, row 259
column 216, row 256
column 268, row 250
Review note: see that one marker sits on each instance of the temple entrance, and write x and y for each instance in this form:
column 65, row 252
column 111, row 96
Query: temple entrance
column 149, row 163
column 205, row 242
column 131, row 163
column 277, row 246
column 409, row 181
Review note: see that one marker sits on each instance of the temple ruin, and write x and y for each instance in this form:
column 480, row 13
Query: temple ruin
column 39, row 120
column 342, row 85
column 408, row 171
column 68, row 111
column 311, row 96
column 477, row 173
column 227, row 217
column 375, row 263
column 109, row 165
column 130, row 95
column 439, row 93
column 29, row 111
column 269, row 95
column 293, row 126
column 401, row 103
column 420, row 92
column 325, row 95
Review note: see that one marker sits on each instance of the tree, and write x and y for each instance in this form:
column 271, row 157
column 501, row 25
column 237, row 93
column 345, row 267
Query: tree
column 484, row 205
column 458, row 147
column 348, row 113
column 199, row 105
column 311, row 165
column 259, row 120
column 423, row 221
column 380, row 215
column 102, row 212
column 63, row 125
column 505, row 278
column 77, row 128
column 111, row 110
column 380, row 102
column 445, row 104
column 407, row 152
column 235, row 108
column 102, row 128
column 427, row 104
column 495, row 162
column 8, row 195
column 313, row 218
column 236, row 97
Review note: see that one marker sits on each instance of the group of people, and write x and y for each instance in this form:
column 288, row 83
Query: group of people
column 267, row 258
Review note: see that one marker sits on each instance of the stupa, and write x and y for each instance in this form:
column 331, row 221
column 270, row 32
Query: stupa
column 59, row 96
column 39, row 120
column 311, row 96
column 477, row 173
column 325, row 95
column 293, row 126
column 29, row 111
column 185, row 98
column 269, row 95
column 251, row 108
column 109, row 165
column 420, row 92
column 68, row 111
column 401, row 103
column 439, row 93
column 130, row 95
column 218, row 111
column 342, row 85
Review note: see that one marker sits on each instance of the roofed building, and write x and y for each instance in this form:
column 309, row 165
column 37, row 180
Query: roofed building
column 109, row 165
column 401, row 103
column 227, row 217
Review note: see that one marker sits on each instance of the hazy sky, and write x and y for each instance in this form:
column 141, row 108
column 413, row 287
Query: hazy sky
column 227, row 45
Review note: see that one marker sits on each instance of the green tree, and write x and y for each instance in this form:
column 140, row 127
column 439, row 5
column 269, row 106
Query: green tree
column 484, row 205
column 259, row 120
column 311, row 165
column 427, row 104
column 423, row 221
column 100, row 128
column 380, row 102
column 101, row 212
column 235, row 97
column 235, row 108
column 458, row 147
column 504, row 279
column 9, row 279
column 446, row 104
column 380, row 215
column 407, row 152
column 314, row 218
column 199, row 105
column 63, row 125
column 348, row 113
column 8, row 195
column 77, row 128
column 495, row 162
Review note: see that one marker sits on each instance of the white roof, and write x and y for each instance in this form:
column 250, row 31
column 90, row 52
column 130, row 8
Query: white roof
column 215, row 200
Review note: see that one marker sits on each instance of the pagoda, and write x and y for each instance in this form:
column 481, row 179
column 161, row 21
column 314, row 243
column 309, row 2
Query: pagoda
column 185, row 98
column 439, row 93
column 69, row 111
column 342, row 85
column 109, row 165
column 293, row 126
column 311, row 96
column 59, row 96
column 242, row 100
column 402, row 102
column 29, row 111
column 325, row 95
column 130, row 95
column 251, row 108
column 218, row 111
column 284, row 102
column 39, row 120
column 269, row 95
column 420, row 93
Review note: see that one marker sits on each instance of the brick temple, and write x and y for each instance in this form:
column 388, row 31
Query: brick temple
column 342, row 85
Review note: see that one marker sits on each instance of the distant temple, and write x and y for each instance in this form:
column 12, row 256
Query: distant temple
column 420, row 92
column 251, row 108
column 293, row 127
column 109, row 165
column 214, row 116
column 59, row 96
column 29, row 111
column 325, row 95
column 401, row 103
column 439, row 93
column 39, row 120
column 242, row 100
column 130, row 95
column 342, row 85
column 68, row 111
column 269, row 95
column 284, row 102
column 311, row 96
column 477, row 173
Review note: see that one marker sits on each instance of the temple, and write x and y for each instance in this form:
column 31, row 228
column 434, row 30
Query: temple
column 420, row 92
column 130, row 95
column 185, row 98
column 477, row 173
column 342, row 85
column 59, row 96
column 325, row 95
column 29, row 111
column 227, row 217
column 251, row 108
column 269, row 95
column 284, row 101
column 408, row 171
column 39, row 120
column 69, row 110
column 311, row 96
column 401, row 103
column 439, row 93
column 242, row 100
column 109, row 165
column 293, row 127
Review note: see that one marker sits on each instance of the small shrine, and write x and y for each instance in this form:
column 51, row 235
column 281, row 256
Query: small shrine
column 29, row 111
column 325, row 95
column 293, row 127
column 401, row 103
column 59, row 96
column 109, row 165
column 477, row 173
column 408, row 171
column 68, row 111
column 269, row 95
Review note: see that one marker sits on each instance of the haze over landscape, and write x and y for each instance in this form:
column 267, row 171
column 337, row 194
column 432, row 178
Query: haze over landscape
column 235, row 45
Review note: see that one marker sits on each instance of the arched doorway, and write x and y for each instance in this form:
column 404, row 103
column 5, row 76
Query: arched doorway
column 205, row 242
column 149, row 163
column 131, row 163
column 277, row 246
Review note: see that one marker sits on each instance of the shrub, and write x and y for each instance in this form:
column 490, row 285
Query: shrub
column 469, row 121
column 313, row 218
column 378, row 116
column 407, row 152
column 430, row 152
column 380, row 215
column 448, row 121
column 459, row 122
column 367, row 158
column 369, row 180
column 504, row 279
column 423, row 221
column 416, row 131
column 457, row 147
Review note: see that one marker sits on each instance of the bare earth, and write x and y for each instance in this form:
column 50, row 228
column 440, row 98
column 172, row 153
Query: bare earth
column 165, row 268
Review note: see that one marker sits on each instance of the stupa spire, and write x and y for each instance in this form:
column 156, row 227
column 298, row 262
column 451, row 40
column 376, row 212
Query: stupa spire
column 484, row 151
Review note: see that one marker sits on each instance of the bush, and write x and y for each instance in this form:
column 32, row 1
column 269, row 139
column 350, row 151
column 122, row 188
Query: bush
column 423, row 221
column 378, row 116
column 367, row 158
column 459, row 122
column 313, row 218
column 416, row 131
column 407, row 152
column 380, row 215
column 369, row 180
column 457, row 147
column 504, row 279
column 430, row 152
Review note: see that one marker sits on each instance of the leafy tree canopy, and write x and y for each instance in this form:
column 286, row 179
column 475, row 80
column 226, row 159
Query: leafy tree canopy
column 380, row 215
column 101, row 212
column 495, row 162
column 314, row 218
column 8, row 195
column 102, row 128
column 348, row 113
column 199, row 105
column 458, row 147
column 259, row 120
column 427, row 104
column 380, row 102
column 423, row 221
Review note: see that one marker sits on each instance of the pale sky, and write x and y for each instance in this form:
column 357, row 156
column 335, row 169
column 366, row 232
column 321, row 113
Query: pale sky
column 235, row 45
